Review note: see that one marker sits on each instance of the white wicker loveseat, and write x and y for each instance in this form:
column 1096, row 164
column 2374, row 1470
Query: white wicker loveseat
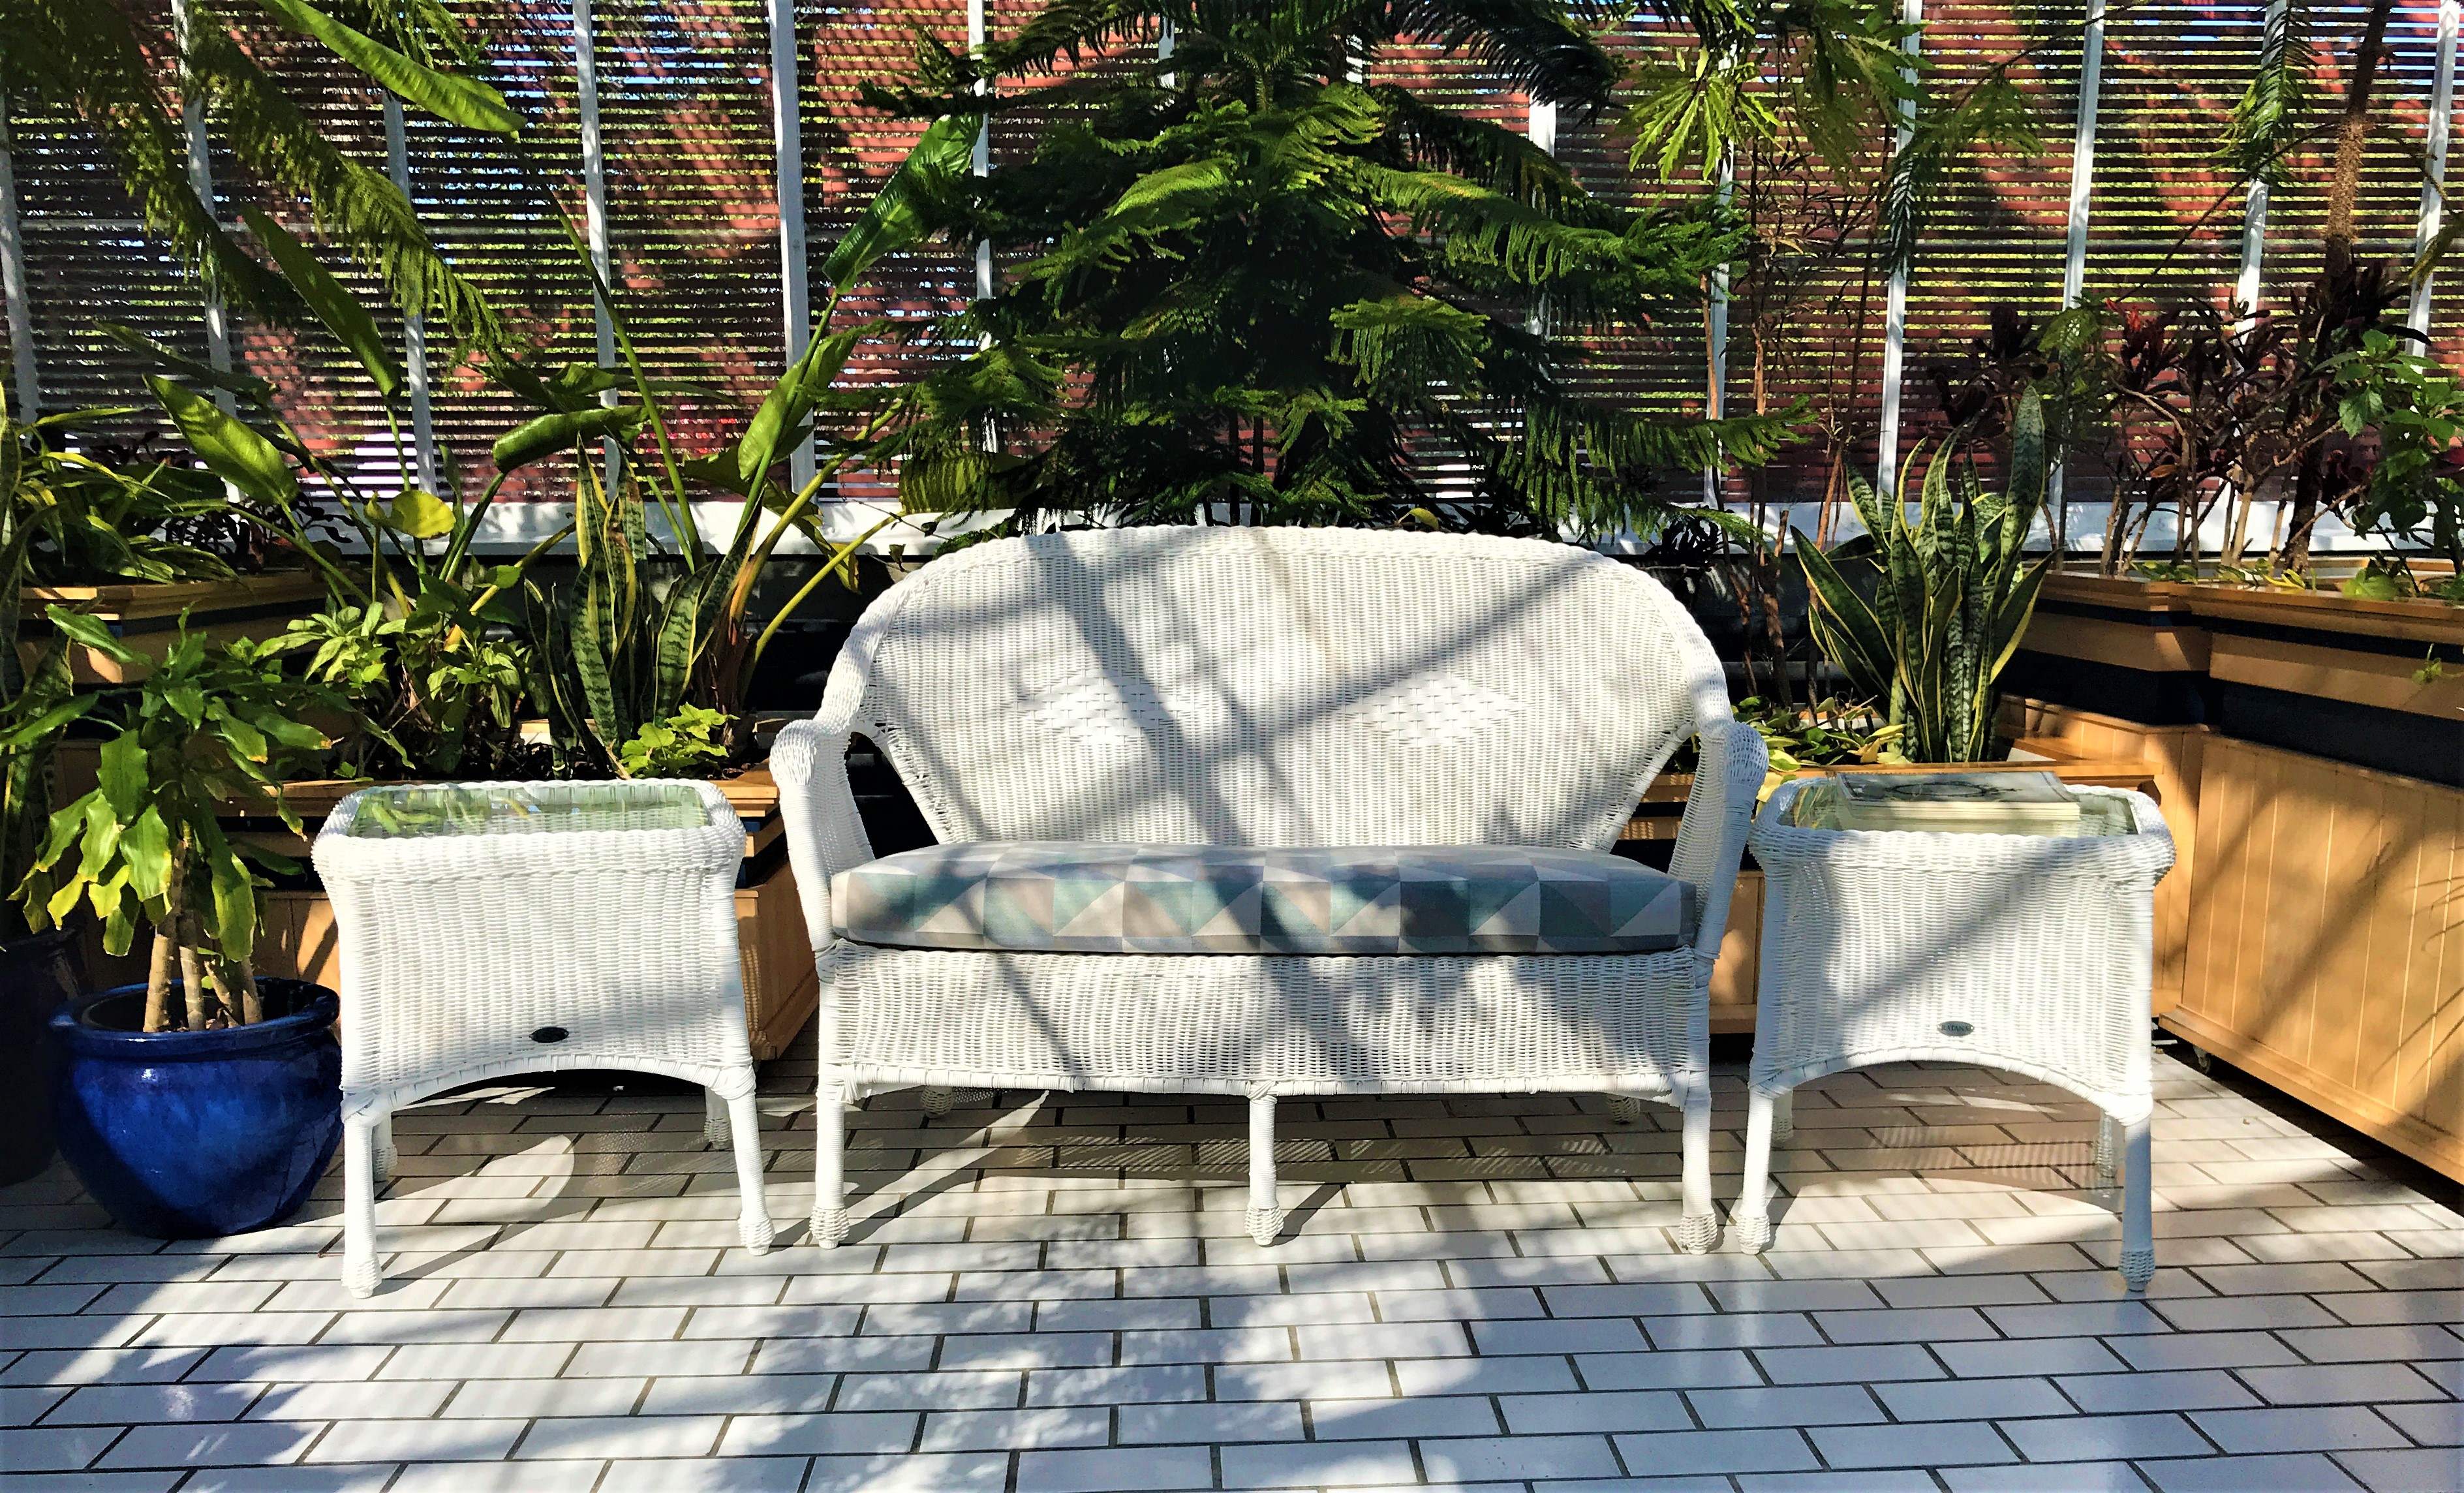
column 1162, row 691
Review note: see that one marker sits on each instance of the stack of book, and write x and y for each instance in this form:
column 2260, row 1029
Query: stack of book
column 1973, row 803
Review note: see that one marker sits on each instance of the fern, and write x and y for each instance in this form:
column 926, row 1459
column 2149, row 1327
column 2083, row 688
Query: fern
column 90, row 58
column 2273, row 113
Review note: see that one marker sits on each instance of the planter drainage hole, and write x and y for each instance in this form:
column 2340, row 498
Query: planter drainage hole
column 556, row 1034
column 1949, row 1028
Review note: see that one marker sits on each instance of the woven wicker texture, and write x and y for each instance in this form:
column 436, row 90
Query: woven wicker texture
column 1296, row 1025
column 1271, row 688
column 1275, row 687
column 481, row 938
column 2025, row 953
column 1872, row 943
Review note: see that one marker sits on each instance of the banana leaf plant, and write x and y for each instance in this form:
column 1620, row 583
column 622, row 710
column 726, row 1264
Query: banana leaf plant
column 655, row 633
column 1949, row 592
column 417, row 631
column 212, row 724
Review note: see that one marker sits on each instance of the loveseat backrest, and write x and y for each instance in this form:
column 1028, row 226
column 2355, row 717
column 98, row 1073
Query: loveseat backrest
column 1276, row 687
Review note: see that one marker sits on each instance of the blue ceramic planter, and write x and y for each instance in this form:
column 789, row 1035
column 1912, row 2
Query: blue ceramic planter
column 198, row 1134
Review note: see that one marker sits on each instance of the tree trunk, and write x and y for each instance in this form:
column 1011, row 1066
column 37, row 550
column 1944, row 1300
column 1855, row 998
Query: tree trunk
column 252, row 1001
column 192, row 977
column 2344, row 192
column 2352, row 133
column 167, row 944
column 158, row 974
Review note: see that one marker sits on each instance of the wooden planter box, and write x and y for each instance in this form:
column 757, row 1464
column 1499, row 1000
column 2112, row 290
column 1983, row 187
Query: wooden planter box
column 2327, row 953
column 147, row 617
column 2313, row 936
column 781, row 988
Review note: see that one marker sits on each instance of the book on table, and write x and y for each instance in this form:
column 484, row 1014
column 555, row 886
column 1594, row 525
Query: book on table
column 1994, row 804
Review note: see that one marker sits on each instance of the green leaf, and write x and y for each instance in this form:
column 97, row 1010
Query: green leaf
column 896, row 217
column 44, row 725
column 230, row 449
column 235, row 897
column 460, row 100
column 335, row 305
column 419, row 514
column 146, row 849
column 1845, row 626
column 121, row 773
column 789, row 403
column 256, row 391
column 551, row 433
column 678, row 639
column 94, row 634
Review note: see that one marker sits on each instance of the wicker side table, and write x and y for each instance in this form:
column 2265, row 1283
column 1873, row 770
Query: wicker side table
column 2021, row 953
column 518, row 927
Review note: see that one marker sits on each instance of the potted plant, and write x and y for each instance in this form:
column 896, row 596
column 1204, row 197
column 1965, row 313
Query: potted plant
column 206, row 1101
column 37, row 703
column 1949, row 594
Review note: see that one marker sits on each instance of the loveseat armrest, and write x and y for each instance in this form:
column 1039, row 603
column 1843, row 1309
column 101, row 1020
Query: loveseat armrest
column 824, row 833
column 1719, row 811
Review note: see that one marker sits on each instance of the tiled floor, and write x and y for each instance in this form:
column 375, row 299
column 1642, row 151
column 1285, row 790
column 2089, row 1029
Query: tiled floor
column 1054, row 1293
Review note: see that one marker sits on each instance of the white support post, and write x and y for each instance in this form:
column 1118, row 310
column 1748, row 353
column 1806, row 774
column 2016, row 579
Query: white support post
column 788, row 134
column 1715, row 334
column 2254, row 227
column 1540, row 127
column 2074, row 242
column 2433, row 185
column 1164, row 41
column 414, row 324
column 201, row 181
column 977, row 37
column 28, row 392
column 983, row 158
column 1895, row 305
column 594, row 200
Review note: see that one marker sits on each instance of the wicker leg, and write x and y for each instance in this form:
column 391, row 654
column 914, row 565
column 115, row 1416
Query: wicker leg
column 936, row 1100
column 829, row 1166
column 2138, row 1237
column 1783, row 1117
column 2108, row 1148
column 1752, row 1218
column 382, row 1155
column 753, row 1223
column 1625, row 1109
column 1698, row 1229
column 714, row 1117
column 1266, row 1218
column 360, row 1274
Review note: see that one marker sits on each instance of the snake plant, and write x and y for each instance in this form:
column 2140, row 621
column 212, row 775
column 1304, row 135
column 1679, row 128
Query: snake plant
column 1949, row 593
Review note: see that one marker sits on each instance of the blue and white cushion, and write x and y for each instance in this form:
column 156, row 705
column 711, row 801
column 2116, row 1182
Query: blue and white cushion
column 1095, row 898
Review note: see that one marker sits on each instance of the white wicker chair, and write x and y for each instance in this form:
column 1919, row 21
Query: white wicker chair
column 507, row 949
column 2011, row 952
column 1274, row 688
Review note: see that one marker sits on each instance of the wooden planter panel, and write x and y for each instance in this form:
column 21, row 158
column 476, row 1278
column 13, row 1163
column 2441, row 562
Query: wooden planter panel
column 2326, row 945
column 2171, row 755
column 781, row 988
column 2383, row 680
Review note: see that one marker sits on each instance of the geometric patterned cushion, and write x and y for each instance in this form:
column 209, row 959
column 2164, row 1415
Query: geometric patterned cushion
column 1090, row 898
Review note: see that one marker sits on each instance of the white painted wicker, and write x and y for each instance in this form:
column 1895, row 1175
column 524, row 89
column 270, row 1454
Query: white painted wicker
column 2020, row 953
column 462, row 955
column 1278, row 686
